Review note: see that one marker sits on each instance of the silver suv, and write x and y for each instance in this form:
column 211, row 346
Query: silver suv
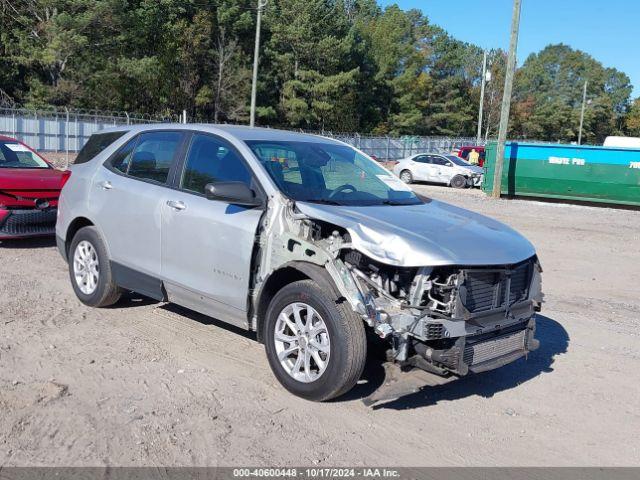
column 302, row 239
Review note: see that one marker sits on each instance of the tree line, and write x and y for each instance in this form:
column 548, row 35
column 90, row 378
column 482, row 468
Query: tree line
column 340, row 65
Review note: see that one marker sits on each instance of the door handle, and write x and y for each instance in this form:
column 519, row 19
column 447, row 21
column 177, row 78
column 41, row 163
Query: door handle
column 106, row 185
column 176, row 205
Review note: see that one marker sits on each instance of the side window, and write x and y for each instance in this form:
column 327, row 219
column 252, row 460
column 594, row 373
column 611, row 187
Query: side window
column 440, row 161
column 96, row 144
column 210, row 159
column 423, row 159
column 120, row 159
column 152, row 157
column 281, row 163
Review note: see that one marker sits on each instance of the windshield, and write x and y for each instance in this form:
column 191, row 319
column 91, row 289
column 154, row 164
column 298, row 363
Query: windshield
column 458, row 160
column 16, row 155
column 328, row 173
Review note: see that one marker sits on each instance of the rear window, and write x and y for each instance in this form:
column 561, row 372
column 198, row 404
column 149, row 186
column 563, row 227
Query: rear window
column 96, row 144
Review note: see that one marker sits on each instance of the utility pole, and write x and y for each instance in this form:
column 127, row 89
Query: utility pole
column 584, row 103
column 482, row 82
column 506, row 99
column 256, row 55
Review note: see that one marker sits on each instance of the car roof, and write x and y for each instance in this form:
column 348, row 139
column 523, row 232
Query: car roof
column 4, row 138
column 240, row 132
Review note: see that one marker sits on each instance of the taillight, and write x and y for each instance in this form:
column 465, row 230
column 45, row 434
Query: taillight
column 65, row 177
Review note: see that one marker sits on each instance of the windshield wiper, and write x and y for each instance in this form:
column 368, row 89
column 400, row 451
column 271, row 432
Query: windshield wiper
column 20, row 167
column 396, row 202
column 324, row 201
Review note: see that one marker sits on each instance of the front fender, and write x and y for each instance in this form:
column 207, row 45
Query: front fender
column 331, row 278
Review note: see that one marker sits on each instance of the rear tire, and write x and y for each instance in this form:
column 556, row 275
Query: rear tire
column 459, row 181
column 332, row 369
column 90, row 269
column 406, row 176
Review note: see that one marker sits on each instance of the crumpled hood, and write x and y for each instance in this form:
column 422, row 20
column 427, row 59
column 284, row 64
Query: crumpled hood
column 473, row 169
column 431, row 234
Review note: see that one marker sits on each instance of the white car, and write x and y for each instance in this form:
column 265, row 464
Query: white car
column 439, row 168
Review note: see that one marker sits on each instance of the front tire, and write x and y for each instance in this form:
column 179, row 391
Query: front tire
column 459, row 181
column 90, row 270
column 406, row 176
column 315, row 344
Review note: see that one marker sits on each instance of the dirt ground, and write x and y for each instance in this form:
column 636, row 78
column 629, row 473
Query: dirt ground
column 150, row 384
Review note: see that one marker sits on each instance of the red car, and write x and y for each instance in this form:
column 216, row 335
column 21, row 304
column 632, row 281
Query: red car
column 29, row 191
column 463, row 152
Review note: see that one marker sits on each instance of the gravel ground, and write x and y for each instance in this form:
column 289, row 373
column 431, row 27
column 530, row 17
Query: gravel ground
column 150, row 384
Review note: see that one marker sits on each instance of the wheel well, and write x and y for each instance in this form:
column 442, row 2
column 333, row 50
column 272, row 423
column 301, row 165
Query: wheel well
column 458, row 175
column 289, row 273
column 275, row 282
column 76, row 225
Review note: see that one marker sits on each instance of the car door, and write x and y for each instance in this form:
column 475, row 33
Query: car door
column 126, row 202
column 207, row 245
column 442, row 169
column 422, row 167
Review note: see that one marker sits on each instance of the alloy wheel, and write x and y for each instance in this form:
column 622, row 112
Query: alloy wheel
column 86, row 267
column 406, row 177
column 302, row 342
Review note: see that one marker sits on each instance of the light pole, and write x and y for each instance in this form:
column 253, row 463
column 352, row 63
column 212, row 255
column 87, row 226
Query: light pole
column 584, row 103
column 506, row 100
column 482, row 82
column 256, row 54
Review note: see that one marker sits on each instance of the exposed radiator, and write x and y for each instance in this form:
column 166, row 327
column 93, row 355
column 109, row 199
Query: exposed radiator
column 486, row 290
column 496, row 347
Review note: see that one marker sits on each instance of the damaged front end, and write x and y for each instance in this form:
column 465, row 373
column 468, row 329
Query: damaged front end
column 452, row 319
column 445, row 319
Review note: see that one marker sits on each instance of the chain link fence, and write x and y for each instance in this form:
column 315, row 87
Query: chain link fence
column 68, row 130
column 394, row 148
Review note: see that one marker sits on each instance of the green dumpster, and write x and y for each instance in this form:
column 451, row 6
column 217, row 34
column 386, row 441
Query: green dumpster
column 567, row 172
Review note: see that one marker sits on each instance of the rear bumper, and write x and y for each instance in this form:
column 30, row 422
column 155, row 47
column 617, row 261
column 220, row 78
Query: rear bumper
column 27, row 223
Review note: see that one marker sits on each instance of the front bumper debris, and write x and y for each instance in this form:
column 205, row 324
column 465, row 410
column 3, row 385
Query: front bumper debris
column 473, row 354
column 460, row 320
column 477, row 353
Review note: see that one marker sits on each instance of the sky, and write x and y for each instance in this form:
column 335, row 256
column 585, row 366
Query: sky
column 608, row 30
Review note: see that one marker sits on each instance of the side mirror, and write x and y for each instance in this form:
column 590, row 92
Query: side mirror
column 236, row 193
